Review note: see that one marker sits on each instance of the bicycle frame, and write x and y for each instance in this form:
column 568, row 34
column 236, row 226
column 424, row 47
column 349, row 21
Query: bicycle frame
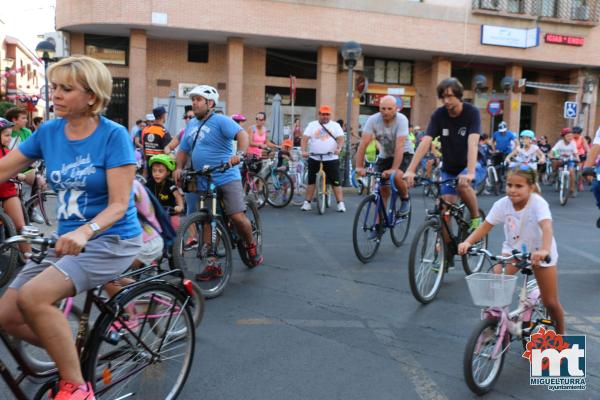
column 380, row 208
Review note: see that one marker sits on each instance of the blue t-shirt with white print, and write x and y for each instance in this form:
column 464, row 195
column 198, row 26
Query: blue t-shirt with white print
column 76, row 171
column 214, row 145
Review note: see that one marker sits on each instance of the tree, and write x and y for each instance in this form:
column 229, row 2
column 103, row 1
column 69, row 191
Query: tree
column 4, row 106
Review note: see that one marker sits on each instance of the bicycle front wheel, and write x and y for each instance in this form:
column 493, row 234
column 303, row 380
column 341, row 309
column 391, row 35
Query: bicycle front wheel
column 279, row 188
column 481, row 367
column 321, row 193
column 401, row 221
column 9, row 255
column 195, row 257
column 563, row 194
column 366, row 231
column 426, row 262
column 146, row 351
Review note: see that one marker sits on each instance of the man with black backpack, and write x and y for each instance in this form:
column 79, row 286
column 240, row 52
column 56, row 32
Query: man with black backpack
column 321, row 137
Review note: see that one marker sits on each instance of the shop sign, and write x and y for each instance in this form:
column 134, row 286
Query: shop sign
column 510, row 37
column 373, row 99
column 564, row 39
column 185, row 88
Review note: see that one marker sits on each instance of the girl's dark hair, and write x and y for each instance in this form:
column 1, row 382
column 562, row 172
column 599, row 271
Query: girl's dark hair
column 530, row 175
column 264, row 115
column 452, row 83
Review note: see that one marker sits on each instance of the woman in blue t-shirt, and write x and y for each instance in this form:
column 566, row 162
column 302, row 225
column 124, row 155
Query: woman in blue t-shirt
column 90, row 164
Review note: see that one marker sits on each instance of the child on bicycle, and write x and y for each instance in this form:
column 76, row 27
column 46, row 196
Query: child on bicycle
column 8, row 190
column 526, row 154
column 163, row 187
column 527, row 227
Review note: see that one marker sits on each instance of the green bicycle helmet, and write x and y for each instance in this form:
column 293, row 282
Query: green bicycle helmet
column 164, row 159
column 528, row 133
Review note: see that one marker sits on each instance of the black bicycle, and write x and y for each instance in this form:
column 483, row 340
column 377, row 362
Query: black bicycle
column 141, row 344
column 436, row 241
column 206, row 239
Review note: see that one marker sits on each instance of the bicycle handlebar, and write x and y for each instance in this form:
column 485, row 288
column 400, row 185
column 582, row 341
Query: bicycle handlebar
column 422, row 181
column 523, row 258
column 207, row 170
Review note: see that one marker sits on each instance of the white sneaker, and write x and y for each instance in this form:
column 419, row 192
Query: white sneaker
column 306, row 206
column 341, row 207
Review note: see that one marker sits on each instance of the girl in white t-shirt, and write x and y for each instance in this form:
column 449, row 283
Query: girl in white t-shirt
column 527, row 225
column 562, row 151
column 528, row 154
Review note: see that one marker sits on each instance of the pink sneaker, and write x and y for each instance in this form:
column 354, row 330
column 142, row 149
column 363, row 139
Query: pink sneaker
column 69, row 391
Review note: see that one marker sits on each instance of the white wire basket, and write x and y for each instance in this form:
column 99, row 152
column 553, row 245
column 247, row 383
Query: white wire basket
column 491, row 290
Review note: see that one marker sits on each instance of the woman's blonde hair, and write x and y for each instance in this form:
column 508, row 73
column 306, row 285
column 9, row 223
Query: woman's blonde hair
column 89, row 73
column 529, row 174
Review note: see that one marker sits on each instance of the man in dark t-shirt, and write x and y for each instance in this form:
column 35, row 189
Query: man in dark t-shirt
column 458, row 126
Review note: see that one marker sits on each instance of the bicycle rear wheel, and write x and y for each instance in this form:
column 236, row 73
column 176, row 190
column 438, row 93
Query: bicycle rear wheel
column 41, row 211
column 366, row 232
column 481, row 368
column 473, row 263
column 254, row 217
column 146, row 356
column 426, row 262
column 401, row 222
column 192, row 256
column 279, row 188
column 9, row 255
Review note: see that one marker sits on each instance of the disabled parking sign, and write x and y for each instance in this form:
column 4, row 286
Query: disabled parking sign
column 570, row 110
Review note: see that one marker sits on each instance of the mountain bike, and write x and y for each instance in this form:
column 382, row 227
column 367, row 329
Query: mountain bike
column 373, row 218
column 141, row 344
column 436, row 241
column 490, row 340
column 214, row 235
column 278, row 185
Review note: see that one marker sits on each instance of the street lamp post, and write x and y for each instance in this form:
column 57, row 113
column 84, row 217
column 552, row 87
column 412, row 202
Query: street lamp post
column 8, row 61
column 350, row 51
column 45, row 50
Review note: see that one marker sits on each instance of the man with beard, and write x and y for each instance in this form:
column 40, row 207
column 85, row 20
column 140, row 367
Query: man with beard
column 458, row 125
column 208, row 140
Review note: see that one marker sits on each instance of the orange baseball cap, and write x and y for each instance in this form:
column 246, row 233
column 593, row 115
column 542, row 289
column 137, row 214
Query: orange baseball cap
column 287, row 142
column 324, row 110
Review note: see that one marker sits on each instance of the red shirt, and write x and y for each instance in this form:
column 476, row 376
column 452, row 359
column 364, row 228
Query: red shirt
column 7, row 189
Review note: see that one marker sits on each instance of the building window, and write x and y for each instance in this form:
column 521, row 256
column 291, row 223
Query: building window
column 388, row 71
column 304, row 97
column 464, row 75
column 283, row 63
column 108, row 49
column 198, row 52
column 515, row 6
column 548, row 8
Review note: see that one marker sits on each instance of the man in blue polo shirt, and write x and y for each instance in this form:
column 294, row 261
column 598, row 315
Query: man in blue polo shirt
column 208, row 141
column 503, row 140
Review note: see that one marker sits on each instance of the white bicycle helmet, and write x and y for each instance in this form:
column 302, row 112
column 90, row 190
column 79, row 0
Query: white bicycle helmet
column 208, row 92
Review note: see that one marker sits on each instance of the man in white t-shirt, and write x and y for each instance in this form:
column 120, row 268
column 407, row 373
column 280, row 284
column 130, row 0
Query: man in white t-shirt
column 323, row 139
column 590, row 164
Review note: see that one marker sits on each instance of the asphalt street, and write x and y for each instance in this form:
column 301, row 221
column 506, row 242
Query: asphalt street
column 313, row 322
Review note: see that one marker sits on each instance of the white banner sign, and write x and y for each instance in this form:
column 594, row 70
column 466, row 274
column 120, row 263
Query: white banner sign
column 510, row 37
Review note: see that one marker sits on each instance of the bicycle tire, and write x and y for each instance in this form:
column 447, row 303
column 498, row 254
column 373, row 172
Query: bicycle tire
column 321, row 194
column 254, row 217
column 435, row 265
column 477, row 385
column 110, row 348
column 9, row 257
column 399, row 231
column 190, row 260
column 35, row 357
column 47, row 211
column 299, row 190
column 281, row 196
column 368, row 226
column 563, row 194
column 483, row 243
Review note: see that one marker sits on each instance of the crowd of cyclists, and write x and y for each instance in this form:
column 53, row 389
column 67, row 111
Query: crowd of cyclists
column 106, row 179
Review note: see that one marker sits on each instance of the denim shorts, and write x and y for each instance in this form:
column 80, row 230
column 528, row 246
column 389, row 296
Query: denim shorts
column 447, row 189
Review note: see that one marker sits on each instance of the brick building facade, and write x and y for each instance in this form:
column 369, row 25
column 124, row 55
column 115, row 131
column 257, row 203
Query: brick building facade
column 408, row 48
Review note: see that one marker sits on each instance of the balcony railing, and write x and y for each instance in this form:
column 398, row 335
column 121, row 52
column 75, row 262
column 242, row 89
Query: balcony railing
column 573, row 11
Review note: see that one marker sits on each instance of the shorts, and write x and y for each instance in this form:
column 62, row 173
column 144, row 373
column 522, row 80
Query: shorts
column 331, row 168
column 233, row 197
column 104, row 259
column 151, row 250
column 447, row 189
column 383, row 164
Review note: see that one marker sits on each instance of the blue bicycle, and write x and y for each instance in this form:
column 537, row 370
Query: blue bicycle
column 373, row 218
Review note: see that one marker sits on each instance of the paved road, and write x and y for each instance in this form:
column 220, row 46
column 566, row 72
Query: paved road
column 315, row 323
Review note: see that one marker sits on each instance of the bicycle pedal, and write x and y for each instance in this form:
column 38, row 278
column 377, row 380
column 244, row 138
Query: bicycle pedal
column 112, row 338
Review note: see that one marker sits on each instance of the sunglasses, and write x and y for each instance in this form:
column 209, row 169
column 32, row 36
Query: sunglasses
column 187, row 117
column 260, row 119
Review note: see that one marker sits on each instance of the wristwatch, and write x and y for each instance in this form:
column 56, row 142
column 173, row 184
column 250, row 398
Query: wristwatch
column 240, row 154
column 94, row 227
